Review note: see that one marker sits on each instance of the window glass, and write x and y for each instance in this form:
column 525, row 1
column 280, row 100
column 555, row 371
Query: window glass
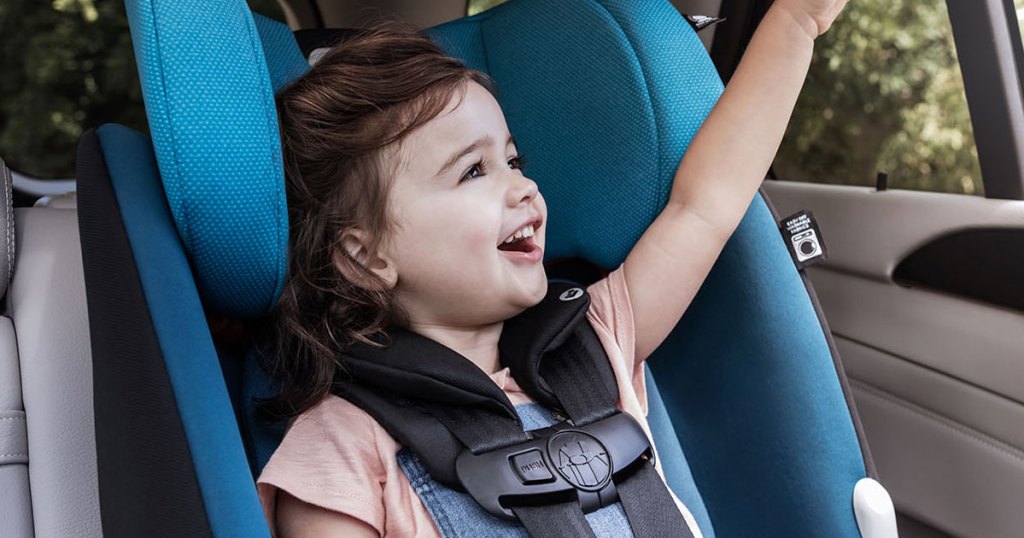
column 67, row 66
column 1019, row 8
column 884, row 93
column 476, row 6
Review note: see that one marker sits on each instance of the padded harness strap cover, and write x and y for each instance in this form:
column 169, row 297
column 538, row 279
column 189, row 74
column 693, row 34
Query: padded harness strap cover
column 438, row 404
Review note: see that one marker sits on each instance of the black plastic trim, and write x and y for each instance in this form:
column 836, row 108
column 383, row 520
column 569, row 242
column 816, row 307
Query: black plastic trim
column 147, row 483
column 733, row 35
column 983, row 264
column 987, row 35
column 314, row 6
column 315, row 38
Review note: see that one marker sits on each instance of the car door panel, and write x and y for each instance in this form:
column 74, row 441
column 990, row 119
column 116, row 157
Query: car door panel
column 969, row 341
column 938, row 378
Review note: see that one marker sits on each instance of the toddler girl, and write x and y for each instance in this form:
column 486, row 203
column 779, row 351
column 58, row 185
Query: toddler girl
column 410, row 209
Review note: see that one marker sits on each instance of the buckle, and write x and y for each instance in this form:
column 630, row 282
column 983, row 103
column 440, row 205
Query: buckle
column 559, row 463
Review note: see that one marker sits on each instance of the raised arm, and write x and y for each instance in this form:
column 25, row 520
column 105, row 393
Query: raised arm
column 723, row 168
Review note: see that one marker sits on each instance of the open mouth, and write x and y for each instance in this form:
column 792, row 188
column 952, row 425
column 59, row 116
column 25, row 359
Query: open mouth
column 521, row 246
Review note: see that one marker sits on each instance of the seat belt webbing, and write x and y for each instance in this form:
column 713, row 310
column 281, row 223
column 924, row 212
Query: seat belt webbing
column 479, row 430
column 649, row 506
column 577, row 384
column 554, row 520
column 574, row 378
column 556, row 355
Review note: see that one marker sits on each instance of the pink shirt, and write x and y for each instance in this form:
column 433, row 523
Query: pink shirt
column 337, row 457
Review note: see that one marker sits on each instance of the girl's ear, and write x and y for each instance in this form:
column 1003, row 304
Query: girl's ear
column 354, row 255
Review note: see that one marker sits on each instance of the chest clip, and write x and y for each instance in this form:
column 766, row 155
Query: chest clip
column 562, row 462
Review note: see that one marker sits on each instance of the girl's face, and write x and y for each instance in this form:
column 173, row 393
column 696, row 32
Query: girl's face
column 457, row 197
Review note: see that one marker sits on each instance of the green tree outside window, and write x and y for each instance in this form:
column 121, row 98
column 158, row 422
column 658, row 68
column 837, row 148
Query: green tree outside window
column 884, row 93
column 67, row 66
column 477, row 6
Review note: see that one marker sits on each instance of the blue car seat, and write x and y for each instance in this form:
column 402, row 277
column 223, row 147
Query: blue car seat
column 188, row 227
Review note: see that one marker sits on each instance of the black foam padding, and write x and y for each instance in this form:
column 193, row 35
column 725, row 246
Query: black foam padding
column 147, row 483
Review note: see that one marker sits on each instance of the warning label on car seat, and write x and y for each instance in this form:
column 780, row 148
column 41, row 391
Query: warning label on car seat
column 803, row 239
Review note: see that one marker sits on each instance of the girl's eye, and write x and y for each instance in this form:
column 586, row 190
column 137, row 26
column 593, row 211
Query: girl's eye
column 518, row 162
column 474, row 172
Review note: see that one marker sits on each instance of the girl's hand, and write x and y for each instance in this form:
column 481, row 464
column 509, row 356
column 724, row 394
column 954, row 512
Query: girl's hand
column 815, row 15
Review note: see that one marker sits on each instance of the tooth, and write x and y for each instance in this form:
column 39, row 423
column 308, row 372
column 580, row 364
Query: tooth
column 528, row 231
column 510, row 239
column 518, row 235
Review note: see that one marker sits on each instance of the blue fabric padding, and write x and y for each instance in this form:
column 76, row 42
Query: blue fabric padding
column 285, row 61
column 673, row 460
column 211, row 113
column 603, row 97
column 263, row 437
column 748, row 380
column 218, row 457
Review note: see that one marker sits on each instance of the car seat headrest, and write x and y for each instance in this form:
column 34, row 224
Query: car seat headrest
column 285, row 59
column 605, row 106
column 6, row 228
column 603, row 96
column 210, row 105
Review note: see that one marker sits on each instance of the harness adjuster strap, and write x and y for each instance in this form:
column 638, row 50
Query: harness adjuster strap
column 560, row 463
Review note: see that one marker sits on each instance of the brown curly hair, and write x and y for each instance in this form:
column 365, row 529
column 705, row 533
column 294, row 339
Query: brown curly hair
column 340, row 124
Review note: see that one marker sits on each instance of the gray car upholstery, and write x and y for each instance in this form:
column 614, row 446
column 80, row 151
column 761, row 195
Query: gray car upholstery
column 50, row 360
column 15, row 500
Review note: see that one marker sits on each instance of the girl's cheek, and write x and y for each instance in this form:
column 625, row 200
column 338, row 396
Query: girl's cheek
column 485, row 236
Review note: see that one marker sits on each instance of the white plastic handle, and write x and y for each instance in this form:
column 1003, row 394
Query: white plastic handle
column 876, row 516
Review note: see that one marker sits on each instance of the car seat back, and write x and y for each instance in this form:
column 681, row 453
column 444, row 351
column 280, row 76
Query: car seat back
column 47, row 449
column 604, row 94
column 610, row 104
column 15, row 502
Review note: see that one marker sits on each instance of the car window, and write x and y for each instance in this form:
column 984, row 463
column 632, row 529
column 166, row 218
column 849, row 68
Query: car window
column 67, row 66
column 1018, row 6
column 476, row 6
column 884, row 93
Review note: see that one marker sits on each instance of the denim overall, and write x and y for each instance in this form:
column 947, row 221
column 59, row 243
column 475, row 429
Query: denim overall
column 458, row 515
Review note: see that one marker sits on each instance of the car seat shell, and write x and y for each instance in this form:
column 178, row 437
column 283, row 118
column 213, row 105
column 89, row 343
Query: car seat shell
column 758, row 406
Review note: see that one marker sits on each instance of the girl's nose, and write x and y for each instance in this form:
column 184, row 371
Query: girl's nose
column 522, row 190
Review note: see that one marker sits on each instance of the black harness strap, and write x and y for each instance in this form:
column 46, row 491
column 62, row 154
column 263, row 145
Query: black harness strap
column 577, row 381
column 554, row 520
column 407, row 385
column 449, row 413
column 480, row 431
column 649, row 506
